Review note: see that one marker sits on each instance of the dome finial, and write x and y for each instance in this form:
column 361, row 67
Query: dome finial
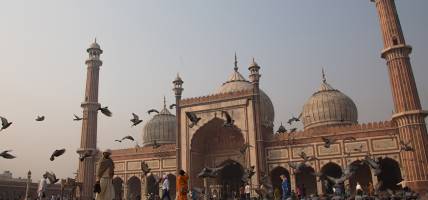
column 236, row 63
column 164, row 102
column 323, row 75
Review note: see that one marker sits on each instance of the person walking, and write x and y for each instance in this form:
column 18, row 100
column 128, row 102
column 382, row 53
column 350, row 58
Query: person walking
column 105, row 173
column 285, row 187
column 165, row 188
column 182, row 185
column 42, row 187
column 247, row 191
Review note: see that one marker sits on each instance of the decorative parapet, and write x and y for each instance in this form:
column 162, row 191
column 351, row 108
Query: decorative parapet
column 215, row 97
column 335, row 130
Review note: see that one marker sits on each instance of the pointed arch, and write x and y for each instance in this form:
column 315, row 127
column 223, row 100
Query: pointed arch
column 275, row 174
column 134, row 188
column 333, row 170
column 390, row 175
column 307, row 180
column 152, row 185
column 211, row 145
column 118, row 188
column 362, row 176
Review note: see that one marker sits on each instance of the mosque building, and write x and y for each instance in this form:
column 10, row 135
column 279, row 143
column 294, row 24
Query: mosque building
column 172, row 142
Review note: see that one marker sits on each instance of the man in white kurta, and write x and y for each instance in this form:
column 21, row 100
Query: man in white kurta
column 42, row 187
column 105, row 172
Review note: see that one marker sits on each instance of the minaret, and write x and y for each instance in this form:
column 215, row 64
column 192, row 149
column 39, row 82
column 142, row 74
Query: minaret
column 27, row 188
column 408, row 115
column 90, row 107
column 178, row 90
column 254, row 77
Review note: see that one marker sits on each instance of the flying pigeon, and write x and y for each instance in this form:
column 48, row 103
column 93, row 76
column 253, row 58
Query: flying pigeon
column 105, row 111
column 5, row 154
column 305, row 157
column 229, row 121
column 328, row 142
column 4, row 123
column 406, row 146
column 152, row 110
column 77, row 118
column 128, row 137
column 193, row 118
column 40, row 118
column 293, row 119
column 51, row 177
column 57, row 153
column 297, row 166
column 135, row 120
column 172, row 106
column 85, row 155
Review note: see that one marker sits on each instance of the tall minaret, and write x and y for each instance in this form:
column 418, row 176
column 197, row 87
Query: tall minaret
column 254, row 77
column 90, row 106
column 408, row 115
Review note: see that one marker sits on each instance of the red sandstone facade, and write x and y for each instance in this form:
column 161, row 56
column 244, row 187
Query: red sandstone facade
column 209, row 144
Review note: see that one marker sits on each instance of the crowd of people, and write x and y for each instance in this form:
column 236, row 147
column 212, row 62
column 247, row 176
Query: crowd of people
column 105, row 191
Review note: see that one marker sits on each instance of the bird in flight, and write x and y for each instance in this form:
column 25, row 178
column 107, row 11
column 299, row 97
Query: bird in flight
column 4, row 123
column 193, row 118
column 105, row 111
column 135, row 119
column 40, row 118
column 57, row 153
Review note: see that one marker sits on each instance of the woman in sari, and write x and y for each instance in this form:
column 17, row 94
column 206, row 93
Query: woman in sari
column 182, row 185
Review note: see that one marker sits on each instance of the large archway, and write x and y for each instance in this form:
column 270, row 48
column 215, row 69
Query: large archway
column 332, row 170
column 390, row 175
column 276, row 179
column 307, row 180
column 362, row 175
column 118, row 188
column 211, row 145
column 134, row 188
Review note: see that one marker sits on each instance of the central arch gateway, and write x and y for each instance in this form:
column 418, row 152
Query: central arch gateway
column 214, row 145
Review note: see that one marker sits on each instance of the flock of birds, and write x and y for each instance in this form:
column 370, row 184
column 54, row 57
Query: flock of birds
column 135, row 120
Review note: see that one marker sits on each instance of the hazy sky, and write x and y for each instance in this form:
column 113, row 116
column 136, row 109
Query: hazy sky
column 43, row 49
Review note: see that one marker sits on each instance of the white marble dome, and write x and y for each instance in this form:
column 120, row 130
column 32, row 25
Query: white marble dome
column 328, row 106
column 161, row 128
column 237, row 82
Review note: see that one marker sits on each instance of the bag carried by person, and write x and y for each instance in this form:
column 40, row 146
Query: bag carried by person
column 97, row 187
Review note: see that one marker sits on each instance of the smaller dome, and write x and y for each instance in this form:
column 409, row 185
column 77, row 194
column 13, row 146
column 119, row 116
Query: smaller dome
column 161, row 128
column 329, row 106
